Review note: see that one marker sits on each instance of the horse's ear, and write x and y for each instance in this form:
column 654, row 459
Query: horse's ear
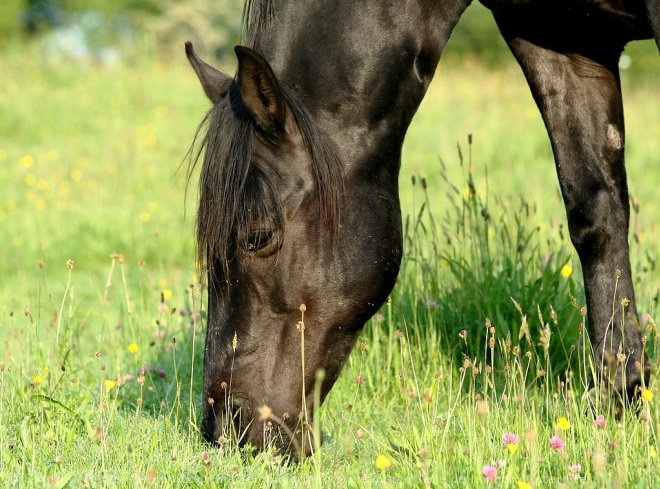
column 260, row 91
column 214, row 82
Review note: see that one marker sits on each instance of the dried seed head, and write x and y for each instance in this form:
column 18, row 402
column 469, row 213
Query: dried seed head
column 482, row 408
column 617, row 272
column 303, row 307
column 69, row 264
column 265, row 413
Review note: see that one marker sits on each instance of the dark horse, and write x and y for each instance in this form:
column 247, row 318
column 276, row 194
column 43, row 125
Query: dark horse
column 299, row 220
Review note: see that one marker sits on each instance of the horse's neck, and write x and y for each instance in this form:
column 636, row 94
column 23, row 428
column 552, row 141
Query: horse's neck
column 362, row 67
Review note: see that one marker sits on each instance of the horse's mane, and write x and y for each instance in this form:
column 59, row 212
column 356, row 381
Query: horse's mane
column 258, row 16
column 234, row 193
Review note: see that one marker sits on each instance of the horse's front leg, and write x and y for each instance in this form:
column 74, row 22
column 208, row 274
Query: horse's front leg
column 579, row 97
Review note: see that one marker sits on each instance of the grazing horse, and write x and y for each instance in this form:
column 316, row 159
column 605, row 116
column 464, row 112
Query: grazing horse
column 299, row 222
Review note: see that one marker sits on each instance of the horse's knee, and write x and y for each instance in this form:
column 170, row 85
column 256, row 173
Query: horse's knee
column 597, row 222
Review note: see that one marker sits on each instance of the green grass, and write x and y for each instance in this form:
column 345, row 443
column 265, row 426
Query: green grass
column 91, row 156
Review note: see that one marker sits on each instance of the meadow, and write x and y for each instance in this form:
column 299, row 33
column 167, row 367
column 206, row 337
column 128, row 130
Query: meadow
column 473, row 374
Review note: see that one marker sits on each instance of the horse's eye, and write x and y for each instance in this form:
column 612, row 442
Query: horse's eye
column 258, row 239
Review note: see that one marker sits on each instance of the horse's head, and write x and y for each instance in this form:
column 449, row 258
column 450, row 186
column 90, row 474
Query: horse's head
column 299, row 256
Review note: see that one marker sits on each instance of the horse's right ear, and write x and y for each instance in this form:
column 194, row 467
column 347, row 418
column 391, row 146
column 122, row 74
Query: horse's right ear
column 214, row 82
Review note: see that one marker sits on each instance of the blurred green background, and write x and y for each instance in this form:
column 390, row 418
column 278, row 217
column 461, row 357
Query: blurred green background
column 99, row 107
column 99, row 24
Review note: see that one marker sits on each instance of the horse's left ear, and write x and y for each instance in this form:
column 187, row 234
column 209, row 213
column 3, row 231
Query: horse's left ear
column 260, row 91
column 214, row 82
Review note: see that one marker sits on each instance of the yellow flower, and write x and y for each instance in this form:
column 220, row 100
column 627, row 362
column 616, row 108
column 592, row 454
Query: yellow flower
column 382, row 462
column 563, row 424
column 566, row 271
column 524, row 485
column 27, row 161
column 167, row 293
column 652, row 452
column 133, row 348
column 144, row 216
column 109, row 385
column 37, row 379
column 647, row 395
column 512, row 448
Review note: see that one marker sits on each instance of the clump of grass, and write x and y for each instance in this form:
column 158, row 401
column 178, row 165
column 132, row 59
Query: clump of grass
column 487, row 265
column 484, row 355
